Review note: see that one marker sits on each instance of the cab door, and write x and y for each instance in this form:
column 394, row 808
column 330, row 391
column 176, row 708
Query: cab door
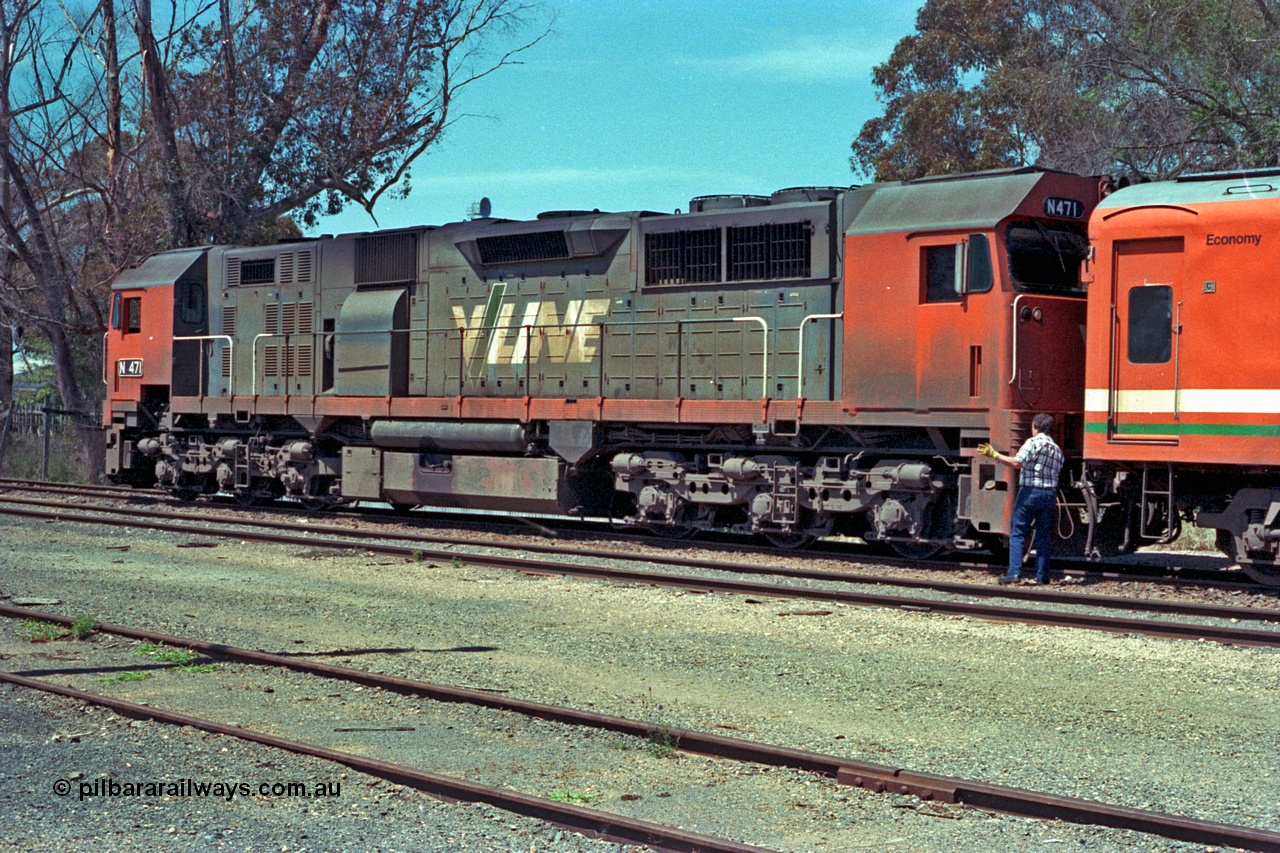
column 126, row 368
column 1146, row 304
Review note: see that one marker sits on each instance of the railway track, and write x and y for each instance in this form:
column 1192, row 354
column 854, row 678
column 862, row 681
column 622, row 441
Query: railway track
column 876, row 778
column 1174, row 575
column 836, row 591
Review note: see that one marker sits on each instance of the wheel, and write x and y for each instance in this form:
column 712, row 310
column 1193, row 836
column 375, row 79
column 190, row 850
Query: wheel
column 312, row 503
column 401, row 509
column 790, row 541
column 672, row 531
column 916, row 550
column 998, row 547
column 1264, row 573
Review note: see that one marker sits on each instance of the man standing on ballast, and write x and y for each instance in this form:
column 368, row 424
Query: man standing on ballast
column 1040, row 462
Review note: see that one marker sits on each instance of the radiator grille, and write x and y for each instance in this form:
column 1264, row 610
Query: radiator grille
column 682, row 257
column 780, row 250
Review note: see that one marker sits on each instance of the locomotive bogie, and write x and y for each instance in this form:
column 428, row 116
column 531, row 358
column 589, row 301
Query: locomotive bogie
column 775, row 494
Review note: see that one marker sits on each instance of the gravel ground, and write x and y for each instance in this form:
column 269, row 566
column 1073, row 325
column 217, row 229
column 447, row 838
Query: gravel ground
column 47, row 739
column 1125, row 719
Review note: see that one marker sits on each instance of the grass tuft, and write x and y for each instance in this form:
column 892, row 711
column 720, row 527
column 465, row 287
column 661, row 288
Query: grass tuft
column 84, row 626
column 34, row 631
column 122, row 677
column 195, row 668
column 663, row 743
column 571, row 796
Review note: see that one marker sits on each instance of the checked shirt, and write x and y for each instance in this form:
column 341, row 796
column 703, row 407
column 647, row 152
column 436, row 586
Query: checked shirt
column 1041, row 461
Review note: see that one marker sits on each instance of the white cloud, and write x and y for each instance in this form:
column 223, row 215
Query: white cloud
column 840, row 57
column 562, row 177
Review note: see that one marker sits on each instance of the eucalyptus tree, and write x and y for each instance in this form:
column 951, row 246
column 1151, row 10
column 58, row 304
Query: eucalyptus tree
column 127, row 129
column 1150, row 88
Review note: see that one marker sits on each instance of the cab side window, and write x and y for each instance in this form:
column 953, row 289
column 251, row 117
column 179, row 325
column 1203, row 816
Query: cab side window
column 115, row 311
column 953, row 270
column 940, row 274
column 191, row 303
column 132, row 315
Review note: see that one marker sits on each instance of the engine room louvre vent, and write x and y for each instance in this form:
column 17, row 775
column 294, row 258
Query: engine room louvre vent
column 228, row 328
column 304, row 267
column 517, row 248
column 682, row 257
column 780, row 250
column 288, row 318
column 286, row 268
column 258, row 272
column 385, row 259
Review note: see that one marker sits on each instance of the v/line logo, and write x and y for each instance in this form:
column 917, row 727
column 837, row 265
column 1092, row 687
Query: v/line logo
column 495, row 330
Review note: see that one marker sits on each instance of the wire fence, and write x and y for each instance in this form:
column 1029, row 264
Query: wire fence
column 31, row 419
column 28, row 420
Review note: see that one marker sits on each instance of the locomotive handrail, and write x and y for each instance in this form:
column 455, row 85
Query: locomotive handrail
column 1013, row 373
column 231, row 360
column 764, row 325
column 800, row 348
column 104, row 360
column 525, row 331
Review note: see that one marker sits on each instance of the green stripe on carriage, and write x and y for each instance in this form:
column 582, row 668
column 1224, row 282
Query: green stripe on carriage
column 1255, row 430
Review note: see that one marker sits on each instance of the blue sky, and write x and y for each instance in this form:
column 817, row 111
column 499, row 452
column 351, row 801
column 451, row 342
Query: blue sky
column 643, row 104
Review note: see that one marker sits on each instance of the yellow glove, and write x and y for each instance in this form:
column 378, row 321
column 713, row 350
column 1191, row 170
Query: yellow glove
column 986, row 449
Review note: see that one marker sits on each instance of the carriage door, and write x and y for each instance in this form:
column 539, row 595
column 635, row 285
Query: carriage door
column 1146, row 308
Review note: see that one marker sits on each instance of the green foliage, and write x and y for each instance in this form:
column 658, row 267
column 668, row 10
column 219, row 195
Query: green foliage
column 165, row 654
column 663, row 743
column 1152, row 88
column 197, row 668
column 124, row 677
column 571, row 796
column 40, row 632
column 83, row 626
column 24, row 455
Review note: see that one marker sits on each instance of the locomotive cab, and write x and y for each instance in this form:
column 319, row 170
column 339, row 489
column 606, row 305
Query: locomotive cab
column 142, row 359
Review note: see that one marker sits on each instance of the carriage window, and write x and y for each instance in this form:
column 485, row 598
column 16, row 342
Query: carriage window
column 1150, row 324
column 940, row 274
column 132, row 315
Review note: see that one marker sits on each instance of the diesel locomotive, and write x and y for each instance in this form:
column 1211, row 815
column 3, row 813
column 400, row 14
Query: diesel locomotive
column 820, row 360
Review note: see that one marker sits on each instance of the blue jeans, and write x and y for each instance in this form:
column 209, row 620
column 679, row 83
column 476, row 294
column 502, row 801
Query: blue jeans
column 1036, row 505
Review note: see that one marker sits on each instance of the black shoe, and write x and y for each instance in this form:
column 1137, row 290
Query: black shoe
column 1007, row 579
column 1042, row 581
